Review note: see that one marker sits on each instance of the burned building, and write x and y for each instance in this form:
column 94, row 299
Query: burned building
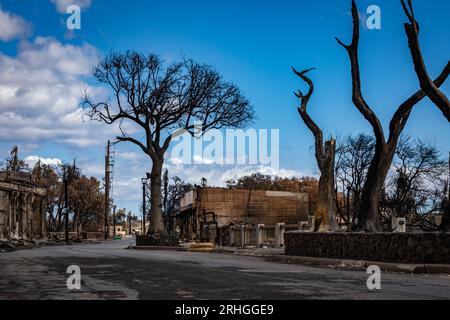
column 22, row 207
column 220, row 209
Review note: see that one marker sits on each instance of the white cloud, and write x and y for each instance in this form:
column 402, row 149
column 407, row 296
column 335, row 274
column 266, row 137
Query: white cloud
column 94, row 170
column 201, row 160
column 13, row 26
column 62, row 5
column 130, row 156
column 176, row 161
column 40, row 94
column 32, row 160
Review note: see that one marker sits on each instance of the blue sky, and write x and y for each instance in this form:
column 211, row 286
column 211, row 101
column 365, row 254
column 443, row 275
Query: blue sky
column 252, row 43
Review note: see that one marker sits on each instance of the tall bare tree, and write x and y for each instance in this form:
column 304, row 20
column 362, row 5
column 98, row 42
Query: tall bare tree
column 426, row 83
column 368, row 217
column 325, row 210
column 162, row 101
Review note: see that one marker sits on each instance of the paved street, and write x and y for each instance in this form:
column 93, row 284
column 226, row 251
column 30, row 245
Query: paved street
column 109, row 271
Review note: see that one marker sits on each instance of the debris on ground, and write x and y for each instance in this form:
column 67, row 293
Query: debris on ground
column 8, row 245
column 201, row 247
column 12, row 244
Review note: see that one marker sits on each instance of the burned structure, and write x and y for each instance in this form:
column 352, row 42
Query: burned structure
column 237, row 216
column 22, row 207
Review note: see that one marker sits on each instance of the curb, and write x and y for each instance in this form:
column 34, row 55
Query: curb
column 363, row 265
column 158, row 248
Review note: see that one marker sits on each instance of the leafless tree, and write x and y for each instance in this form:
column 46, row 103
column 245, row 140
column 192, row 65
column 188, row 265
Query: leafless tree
column 172, row 195
column 416, row 187
column 325, row 210
column 368, row 217
column 426, row 83
column 163, row 101
column 353, row 157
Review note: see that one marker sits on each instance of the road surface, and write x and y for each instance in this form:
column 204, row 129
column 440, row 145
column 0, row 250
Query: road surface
column 109, row 271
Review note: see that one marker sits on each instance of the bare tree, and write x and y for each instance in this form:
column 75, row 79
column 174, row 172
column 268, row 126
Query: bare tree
column 172, row 196
column 353, row 157
column 163, row 101
column 426, row 83
column 325, row 210
column 368, row 217
column 416, row 187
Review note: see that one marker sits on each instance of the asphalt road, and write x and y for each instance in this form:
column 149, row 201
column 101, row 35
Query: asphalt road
column 109, row 271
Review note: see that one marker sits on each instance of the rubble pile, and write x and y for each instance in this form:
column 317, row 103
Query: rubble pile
column 8, row 245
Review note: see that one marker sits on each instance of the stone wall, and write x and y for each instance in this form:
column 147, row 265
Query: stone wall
column 150, row 240
column 383, row 247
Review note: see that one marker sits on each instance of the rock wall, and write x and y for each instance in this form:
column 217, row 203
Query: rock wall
column 151, row 240
column 383, row 247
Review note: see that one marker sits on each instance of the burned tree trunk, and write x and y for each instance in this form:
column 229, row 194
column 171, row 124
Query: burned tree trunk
column 373, row 188
column 325, row 211
column 156, row 220
column 427, row 85
column 445, row 224
column 368, row 215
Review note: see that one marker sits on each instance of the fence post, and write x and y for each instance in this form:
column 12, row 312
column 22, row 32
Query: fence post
column 259, row 235
column 242, row 226
column 279, row 235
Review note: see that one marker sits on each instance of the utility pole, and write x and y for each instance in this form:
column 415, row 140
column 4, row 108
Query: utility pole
column 66, row 204
column 129, row 223
column 107, row 188
column 114, row 221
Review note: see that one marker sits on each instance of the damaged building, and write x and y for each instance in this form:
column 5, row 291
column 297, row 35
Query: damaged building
column 240, row 216
column 22, row 207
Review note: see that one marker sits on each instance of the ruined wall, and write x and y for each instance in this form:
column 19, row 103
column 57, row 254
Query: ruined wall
column 3, row 212
column 253, row 206
column 383, row 247
column 22, row 207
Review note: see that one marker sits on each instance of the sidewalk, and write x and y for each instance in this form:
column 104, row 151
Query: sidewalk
column 363, row 265
column 277, row 255
column 250, row 251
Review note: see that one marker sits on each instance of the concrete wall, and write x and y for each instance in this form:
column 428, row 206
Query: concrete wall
column 3, row 213
column 384, row 247
column 22, row 207
column 253, row 206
